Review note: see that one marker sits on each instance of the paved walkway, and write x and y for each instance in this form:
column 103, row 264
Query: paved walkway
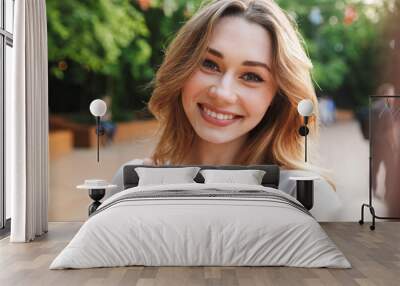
column 66, row 203
column 342, row 149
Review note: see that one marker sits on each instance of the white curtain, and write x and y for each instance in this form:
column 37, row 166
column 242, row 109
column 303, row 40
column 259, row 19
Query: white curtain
column 27, row 124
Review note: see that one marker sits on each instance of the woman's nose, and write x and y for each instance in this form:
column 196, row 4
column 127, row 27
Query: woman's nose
column 224, row 90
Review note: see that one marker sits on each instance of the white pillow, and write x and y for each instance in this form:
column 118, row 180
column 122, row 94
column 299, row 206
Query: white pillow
column 162, row 176
column 248, row 177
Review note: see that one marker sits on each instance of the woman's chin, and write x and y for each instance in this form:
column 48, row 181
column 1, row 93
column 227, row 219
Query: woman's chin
column 216, row 138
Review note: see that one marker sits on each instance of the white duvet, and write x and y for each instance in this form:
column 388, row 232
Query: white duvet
column 183, row 231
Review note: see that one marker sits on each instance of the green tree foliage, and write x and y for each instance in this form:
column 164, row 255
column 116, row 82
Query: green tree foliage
column 94, row 33
column 89, row 44
column 343, row 43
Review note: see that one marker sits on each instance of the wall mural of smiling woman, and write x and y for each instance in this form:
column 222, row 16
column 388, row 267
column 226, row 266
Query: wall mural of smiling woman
column 228, row 88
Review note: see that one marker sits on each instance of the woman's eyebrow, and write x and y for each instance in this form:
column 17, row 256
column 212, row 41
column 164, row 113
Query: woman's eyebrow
column 245, row 63
column 256, row 64
column 215, row 53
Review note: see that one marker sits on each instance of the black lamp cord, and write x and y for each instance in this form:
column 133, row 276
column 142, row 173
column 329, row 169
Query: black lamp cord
column 99, row 131
column 98, row 134
column 305, row 137
column 303, row 131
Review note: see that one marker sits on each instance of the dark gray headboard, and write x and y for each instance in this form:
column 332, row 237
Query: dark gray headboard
column 270, row 179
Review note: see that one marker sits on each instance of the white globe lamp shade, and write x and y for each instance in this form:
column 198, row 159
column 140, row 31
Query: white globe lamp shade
column 305, row 107
column 98, row 107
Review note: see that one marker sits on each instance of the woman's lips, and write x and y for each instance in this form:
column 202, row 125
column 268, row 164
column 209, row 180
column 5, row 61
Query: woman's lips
column 215, row 121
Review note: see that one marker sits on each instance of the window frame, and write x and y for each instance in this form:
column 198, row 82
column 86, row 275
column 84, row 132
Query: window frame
column 6, row 39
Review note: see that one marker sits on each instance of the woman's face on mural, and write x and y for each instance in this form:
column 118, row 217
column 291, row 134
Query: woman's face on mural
column 228, row 95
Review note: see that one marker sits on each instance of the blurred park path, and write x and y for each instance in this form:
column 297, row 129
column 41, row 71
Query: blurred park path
column 342, row 149
column 345, row 152
column 66, row 203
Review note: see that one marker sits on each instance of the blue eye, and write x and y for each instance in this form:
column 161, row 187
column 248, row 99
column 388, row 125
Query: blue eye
column 252, row 77
column 208, row 64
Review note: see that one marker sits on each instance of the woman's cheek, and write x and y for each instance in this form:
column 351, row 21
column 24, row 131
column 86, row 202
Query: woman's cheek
column 257, row 103
column 256, row 111
column 188, row 92
column 195, row 85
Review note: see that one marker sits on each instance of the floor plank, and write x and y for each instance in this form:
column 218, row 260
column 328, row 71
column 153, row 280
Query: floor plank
column 374, row 255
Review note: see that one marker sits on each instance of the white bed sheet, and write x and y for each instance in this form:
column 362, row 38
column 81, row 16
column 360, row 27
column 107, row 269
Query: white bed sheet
column 200, row 231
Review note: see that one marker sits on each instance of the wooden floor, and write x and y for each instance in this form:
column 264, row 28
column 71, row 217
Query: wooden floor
column 374, row 255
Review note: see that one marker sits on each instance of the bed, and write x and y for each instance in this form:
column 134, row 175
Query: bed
column 201, row 224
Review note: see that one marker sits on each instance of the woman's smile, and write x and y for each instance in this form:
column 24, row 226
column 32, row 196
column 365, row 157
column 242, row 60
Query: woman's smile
column 217, row 117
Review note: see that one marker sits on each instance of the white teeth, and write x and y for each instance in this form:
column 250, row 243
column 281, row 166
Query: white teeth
column 219, row 116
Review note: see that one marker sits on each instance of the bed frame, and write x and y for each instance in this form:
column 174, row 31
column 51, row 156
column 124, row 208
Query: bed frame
column 304, row 191
column 270, row 179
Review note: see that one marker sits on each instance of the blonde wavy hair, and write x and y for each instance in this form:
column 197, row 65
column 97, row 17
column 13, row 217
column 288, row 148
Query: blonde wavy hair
column 275, row 140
